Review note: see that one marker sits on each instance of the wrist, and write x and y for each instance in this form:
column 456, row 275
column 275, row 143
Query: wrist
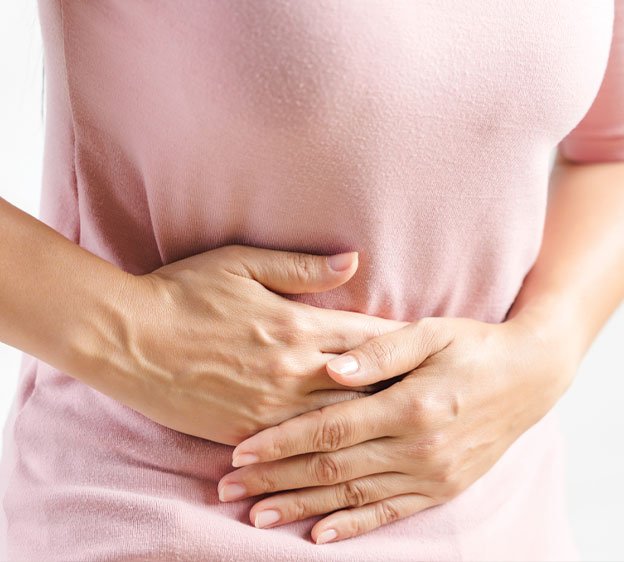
column 546, row 329
column 96, row 342
column 552, row 321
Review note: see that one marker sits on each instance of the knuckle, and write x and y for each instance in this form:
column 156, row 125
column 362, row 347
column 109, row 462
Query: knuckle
column 325, row 469
column 385, row 512
column 412, row 411
column 353, row 526
column 299, row 508
column 267, row 481
column 381, row 351
column 443, row 474
column 415, row 410
column 281, row 369
column 425, row 410
column 453, row 488
column 331, row 434
column 451, row 485
column 430, row 408
column 292, row 327
column 276, row 363
column 303, row 267
column 429, row 447
column 353, row 494
column 276, row 449
column 259, row 412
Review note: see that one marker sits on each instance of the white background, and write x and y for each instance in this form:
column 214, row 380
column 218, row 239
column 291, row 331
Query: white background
column 592, row 411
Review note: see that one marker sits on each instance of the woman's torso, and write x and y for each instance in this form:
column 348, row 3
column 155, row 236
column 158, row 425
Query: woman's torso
column 418, row 134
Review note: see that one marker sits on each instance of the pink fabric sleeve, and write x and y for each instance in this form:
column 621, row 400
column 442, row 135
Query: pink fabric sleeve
column 599, row 136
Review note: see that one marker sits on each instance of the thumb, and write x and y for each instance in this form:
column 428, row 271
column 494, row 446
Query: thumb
column 391, row 354
column 291, row 272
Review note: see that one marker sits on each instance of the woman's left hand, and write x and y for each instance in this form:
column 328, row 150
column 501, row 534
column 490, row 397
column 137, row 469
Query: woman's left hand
column 469, row 390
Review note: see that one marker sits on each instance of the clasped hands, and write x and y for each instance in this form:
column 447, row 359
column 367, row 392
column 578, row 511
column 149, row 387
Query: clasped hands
column 465, row 390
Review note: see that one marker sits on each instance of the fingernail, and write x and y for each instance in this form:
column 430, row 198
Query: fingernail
column 267, row 517
column 340, row 262
column 326, row 536
column 245, row 459
column 231, row 492
column 345, row 365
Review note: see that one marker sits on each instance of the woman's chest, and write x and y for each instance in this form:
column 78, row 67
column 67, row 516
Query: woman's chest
column 318, row 124
column 349, row 71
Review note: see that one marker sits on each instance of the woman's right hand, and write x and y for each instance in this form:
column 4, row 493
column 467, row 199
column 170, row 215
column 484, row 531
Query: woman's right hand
column 208, row 348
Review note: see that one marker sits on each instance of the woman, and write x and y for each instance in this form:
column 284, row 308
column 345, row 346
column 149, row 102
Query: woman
column 201, row 161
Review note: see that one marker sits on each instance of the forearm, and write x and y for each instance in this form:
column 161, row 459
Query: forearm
column 53, row 292
column 578, row 278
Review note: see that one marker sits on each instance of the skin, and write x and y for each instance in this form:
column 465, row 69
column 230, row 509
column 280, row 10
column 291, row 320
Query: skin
column 265, row 360
column 141, row 339
column 466, row 390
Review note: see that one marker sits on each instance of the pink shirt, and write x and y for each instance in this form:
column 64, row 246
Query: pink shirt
column 416, row 132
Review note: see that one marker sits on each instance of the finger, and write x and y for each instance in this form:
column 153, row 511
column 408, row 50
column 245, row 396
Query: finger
column 349, row 523
column 304, row 471
column 289, row 272
column 337, row 331
column 292, row 506
column 327, row 429
column 390, row 354
column 317, row 379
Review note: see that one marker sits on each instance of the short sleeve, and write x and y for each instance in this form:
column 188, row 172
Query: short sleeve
column 599, row 136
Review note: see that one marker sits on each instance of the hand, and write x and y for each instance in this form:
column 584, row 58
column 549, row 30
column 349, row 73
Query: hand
column 208, row 349
column 470, row 389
